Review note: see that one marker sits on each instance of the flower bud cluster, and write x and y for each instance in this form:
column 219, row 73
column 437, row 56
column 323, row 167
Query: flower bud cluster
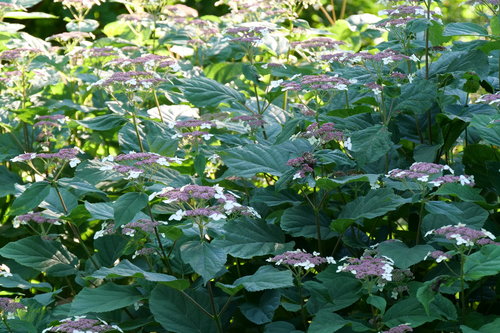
column 192, row 123
column 460, row 234
column 368, row 267
column 248, row 34
column 65, row 155
column 9, row 306
column 14, row 55
column 489, row 99
column 193, row 200
column 403, row 328
column 149, row 62
column 71, row 36
column 133, row 80
column 324, row 133
column 50, row 120
column 82, row 324
column 430, row 173
column 134, row 164
column 317, row 43
column 305, row 164
column 36, row 217
column 254, row 121
column 300, row 258
column 79, row 5
column 386, row 57
column 319, row 82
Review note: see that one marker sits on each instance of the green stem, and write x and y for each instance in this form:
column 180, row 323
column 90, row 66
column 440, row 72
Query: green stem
column 462, row 284
column 428, row 6
column 6, row 325
column 134, row 119
column 215, row 315
column 420, row 213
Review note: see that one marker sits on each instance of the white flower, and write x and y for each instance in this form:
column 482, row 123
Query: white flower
column 447, row 167
column 162, row 161
column 178, row 215
column 176, row 136
column 330, row 260
column 275, row 83
column 298, row 175
column 466, row 181
column 348, row 144
column 387, row 275
column 414, row 58
column 217, row 216
column 74, row 162
column 133, row 174
column 5, row 270
column 206, row 125
column 109, row 158
column 207, row 136
column 106, row 167
column 423, row 178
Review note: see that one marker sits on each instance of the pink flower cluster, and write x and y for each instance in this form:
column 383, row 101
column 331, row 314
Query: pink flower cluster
column 305, row 164
column 81, row 324
column 317, row 42
column 324, row 133
column 386, row 57
column 438, row 255
column 460, row 234
column 65, row 155
column 247, row 34
column 9, row 305
column 319, row 82
column 253, row 121
column 489, row 99
column 190, row 123
column 34, row 217
column 193, row 200
column 368, row 267
column 403, row 328
column 300, row 258
column 147, row 61
column 132, row 80
column 429, row 173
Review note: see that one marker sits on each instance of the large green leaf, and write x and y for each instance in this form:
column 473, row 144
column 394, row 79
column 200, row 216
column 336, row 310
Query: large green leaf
column 109, row 248
column 126, row 269
column 404, row 256
column 203, row 92
column 15, row 281
column 48, row 256
column 376, row 203
column 105, row 298
column 464, row 29
column 370, row 144
column 485, row 262
column 266, row 277
column 176, row 313
column 30, row 198
column 159, row 139
column 333, row 183
column 257, row 158
column 299, row 221
column 262, row 312
column 100, row 210
column 28, row 15
column 408, row 311
column 461, row 61
column 272, row 198
column 488, row 128
column 417, row 97
column 463, row 192
column 103, row 123
column 7, row 181
column 247, row 239
column 326, row 321
column 127, row 206
column 205, row 258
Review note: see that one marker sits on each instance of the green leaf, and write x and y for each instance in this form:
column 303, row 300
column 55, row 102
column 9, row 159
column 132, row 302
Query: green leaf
column 86, row 25
column 272, row 198
column 426, row 295
column 30, row 198
column 109, row 248
column 404, row 256
column 326, row 321
column 262, row 312
column 378, row 302
column 203, row 92
column 370, row 144
column 332, row 183
column 266, row 277
column 28, row 15
column 495, row 25
column 299, row 222
column 205, row 258
column 15, row 281
column 104, row 298
column 257, row 158
column 461, row 61
column 127, row 206
column 488, row 127
column 43, row 255
column 464, row 29
column 280, row 327
column 337, row 157
column 485, row 262
column 7, row 181
column 247, row 239
column 100, row 210
column 177, row 314
column 463, row 192
column 376, row 203
column 159, row 139
column 126, row 269
column 408, row 311
column 103, row 123
column 417, row 97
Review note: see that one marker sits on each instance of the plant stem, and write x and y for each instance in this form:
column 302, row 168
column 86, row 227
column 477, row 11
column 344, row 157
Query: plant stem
column 428, row 6
column 6, row 325
column 420, row 213
column 215, row 315
column 462, row 283
column 343, row 8
column 137, row 132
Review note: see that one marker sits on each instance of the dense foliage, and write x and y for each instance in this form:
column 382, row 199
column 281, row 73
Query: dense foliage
column 249, row 173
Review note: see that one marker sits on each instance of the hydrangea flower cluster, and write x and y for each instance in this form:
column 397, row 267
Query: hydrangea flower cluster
column 319, row 82
column 129, row 229
column 460, row 234
column 136, row 163
column 132, row 80
column 36, row 217
column 248, row 34
column 305, row 164
column 149, row 62
column 17, row 54
column 300, row 258
column 403, row 328
column 194, row 129
column 254, row 121
column 65, row 155
column 70, row 37
column 401, row 278
column 399, row 16
column 317, row 43
column 429, row 173
column 9, row 306
column 438, row 255
column 489, row 99
column 79, row 4
column 368, row 267
column 81, row 324
column 193, row 200
column 324, row 133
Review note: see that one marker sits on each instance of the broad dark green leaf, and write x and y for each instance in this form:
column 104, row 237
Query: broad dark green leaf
column 100, row 210
column 30, row 198
column 262, row 312
column 404, row 256
column 103, row 123
column 408, row 311
column 266, row 277
column 333, row 183
column 7, row 181
column 463, row 192
column 299, row 221
column 203, row 92
column 273, row 198
column 488, row 128
column 247, row 239
column 110, row 248
column 159, row 139
column 485, row 262
column 326, row 321
column 461, row 61
column 205, row 258
column 417, row 97
column 104, row 298
column 48, row 256
column 176, row 313
column 370, row 144
column 464, row 29
column 376, row 203
column 15, row 281
column 127, row 206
